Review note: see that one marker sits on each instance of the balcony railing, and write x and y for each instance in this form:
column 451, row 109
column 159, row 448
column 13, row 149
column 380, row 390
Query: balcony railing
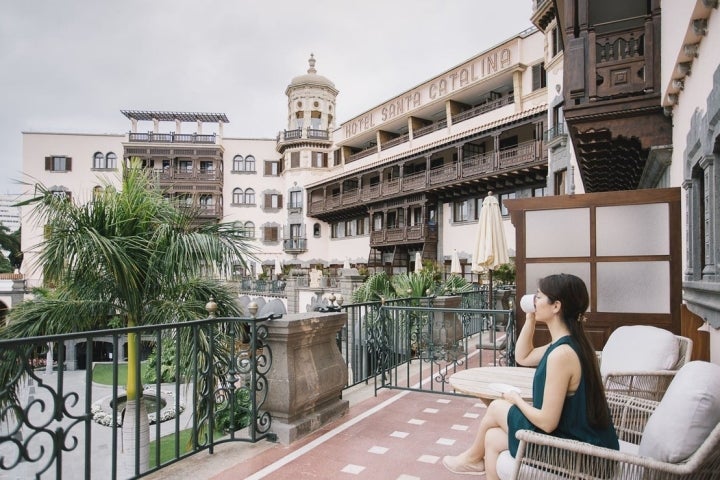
column 381, row 339
column 556, row 131
column 60, row 429
column 172, row 174
column 480, row 109
column 395, row 141
column 295, row 245
column 481, row 165
column 403, row 234
column 63, row 426
column 625, row 52
column 300, row 133
column 317, row 133
column 152, row 137
column 363, row 153
column 433, row 127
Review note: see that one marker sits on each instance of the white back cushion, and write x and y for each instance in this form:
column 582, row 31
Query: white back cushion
column 686, row 414
column 639, row 348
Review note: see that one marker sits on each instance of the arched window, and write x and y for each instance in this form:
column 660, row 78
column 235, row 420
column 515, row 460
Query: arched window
column 237, row 197
column 98, row 160
column 249, row 230
column 249, row 163
column 250, row 196
column 237, row 163
column 111, row 160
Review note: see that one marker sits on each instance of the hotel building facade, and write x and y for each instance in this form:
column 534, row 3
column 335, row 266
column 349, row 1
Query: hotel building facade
column 408, row 175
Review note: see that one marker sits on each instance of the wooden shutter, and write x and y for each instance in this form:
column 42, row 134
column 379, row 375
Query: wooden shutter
column 68, row 164
column 48, row 163
column 267, row 203
column 280, row 201
column 270, row 234
column 538, row 76
column 294, row 159
column 268, row 168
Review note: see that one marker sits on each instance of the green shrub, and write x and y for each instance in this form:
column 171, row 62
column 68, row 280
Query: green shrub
column 167, row 364
column 242, row 412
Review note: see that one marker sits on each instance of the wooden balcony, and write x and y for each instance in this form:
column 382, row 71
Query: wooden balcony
column 419, row 233
column 180, row 174
column 521, row 158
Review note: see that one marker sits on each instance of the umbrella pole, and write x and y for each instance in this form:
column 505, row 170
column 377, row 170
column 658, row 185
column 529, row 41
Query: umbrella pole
column 490, row 290
column 491, row 306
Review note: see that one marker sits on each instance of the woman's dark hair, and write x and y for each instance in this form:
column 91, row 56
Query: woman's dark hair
column 573, row 296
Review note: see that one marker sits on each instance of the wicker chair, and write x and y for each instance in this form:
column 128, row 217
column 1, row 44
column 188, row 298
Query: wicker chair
column 643, row 383
column 544, row 457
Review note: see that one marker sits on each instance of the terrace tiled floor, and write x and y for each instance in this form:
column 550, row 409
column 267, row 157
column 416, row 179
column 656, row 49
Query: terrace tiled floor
column 398, row 435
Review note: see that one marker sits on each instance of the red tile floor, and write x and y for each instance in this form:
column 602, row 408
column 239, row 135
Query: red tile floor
column 397, row 435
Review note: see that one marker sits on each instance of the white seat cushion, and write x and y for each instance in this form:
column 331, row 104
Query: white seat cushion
column 505, row 465
column 686, row 414
column 639, row 348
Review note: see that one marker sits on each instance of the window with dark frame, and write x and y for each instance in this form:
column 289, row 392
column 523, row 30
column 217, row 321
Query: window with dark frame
column 539, row 76
column 295, row 201
column 249, row 196
column 238, row 163
column 273, row 201
column 272, row 168
column 58, row 163
column 270, row 233
column 249, row 163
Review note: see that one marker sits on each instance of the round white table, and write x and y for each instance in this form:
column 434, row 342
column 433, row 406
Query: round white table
column 477, row 381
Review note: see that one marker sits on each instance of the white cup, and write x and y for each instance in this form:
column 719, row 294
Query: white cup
column 527, row 303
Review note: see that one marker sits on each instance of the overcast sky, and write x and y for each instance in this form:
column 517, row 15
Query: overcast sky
column 71, row 66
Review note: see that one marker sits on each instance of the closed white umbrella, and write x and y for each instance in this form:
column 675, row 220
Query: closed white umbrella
column 455, row 263
column 346, row 265
column 278, row 266
column 490, row 246
column 418, row 262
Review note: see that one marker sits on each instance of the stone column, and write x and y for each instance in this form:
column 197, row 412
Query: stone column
column 447, row 328
column 308, row 374
column 291, row 290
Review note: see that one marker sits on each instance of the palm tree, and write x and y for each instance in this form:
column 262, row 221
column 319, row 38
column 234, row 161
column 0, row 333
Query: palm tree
column 10, row 242
column 125, row 258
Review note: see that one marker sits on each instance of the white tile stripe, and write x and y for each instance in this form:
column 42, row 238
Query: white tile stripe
column 273, row 467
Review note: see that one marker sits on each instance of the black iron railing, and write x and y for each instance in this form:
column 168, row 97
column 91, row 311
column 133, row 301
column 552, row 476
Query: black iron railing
column 434, row 343
column 382, row 338
column 207, row 381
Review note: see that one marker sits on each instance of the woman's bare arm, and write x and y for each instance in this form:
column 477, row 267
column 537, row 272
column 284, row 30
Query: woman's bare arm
column 563, row 366
column 525, row 352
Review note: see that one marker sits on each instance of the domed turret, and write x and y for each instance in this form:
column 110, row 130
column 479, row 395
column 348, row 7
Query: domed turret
column 311, row 78
column 311, row 109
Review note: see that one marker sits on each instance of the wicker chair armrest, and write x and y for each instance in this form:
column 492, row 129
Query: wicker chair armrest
column 651, row 385
column 630, row 415
column 542, row 456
